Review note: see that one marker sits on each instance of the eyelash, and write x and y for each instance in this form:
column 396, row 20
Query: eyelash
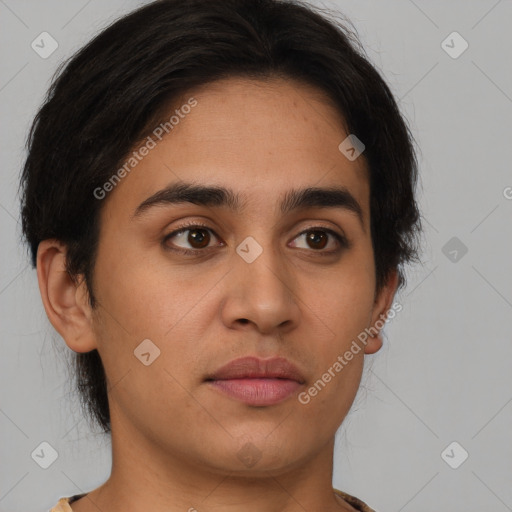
column 344, row 243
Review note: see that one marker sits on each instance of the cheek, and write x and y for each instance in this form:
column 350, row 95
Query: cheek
column 148, row 296
column 343, row 302
column 343, row 297
column 344, row 308
column 166, row 306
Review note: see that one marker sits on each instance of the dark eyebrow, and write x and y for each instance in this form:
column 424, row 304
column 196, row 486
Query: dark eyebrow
column 317, row 197
column 215, row 196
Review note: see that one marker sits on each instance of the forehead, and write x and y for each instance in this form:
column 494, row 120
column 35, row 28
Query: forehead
column 260, row 139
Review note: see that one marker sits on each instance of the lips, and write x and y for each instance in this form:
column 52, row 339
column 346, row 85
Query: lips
column 255, row 368
column 257, row 382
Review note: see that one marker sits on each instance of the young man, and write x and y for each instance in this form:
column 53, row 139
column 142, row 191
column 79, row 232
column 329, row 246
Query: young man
column 218, row 222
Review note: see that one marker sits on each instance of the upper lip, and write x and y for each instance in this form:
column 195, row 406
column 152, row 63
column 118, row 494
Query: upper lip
column 254, row 368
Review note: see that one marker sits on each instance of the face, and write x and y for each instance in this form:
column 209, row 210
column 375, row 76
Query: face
column 208, row 281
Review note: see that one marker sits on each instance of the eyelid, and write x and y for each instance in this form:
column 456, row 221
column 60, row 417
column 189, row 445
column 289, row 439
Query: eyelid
column 187, row 227
column 340, row 237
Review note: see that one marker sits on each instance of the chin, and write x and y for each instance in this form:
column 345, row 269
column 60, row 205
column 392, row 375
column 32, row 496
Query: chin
column 258, row 457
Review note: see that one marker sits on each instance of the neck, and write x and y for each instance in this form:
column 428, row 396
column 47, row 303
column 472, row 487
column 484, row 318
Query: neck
column 145, row 476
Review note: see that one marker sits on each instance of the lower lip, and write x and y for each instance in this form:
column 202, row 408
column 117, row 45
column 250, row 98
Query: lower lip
column 257, row 391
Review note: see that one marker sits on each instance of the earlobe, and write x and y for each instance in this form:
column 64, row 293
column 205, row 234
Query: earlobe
column 64, row 301
column 382, row 305
column 373, row 343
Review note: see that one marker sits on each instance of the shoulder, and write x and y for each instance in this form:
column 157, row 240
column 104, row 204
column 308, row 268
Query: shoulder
column 62, row 506
column 354, row 502
column 63, row 503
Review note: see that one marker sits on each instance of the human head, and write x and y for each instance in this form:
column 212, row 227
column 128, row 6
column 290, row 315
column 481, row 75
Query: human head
column 112, row 94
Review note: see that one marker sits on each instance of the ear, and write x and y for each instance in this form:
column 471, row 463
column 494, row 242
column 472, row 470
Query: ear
column 65, row 302
column 383, row 302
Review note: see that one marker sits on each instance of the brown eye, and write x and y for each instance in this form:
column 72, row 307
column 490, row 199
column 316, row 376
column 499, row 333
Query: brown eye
column 317, row 239
column 200, row 237
column 189, row 239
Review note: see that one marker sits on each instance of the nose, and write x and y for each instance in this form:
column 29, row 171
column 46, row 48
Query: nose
column 261, row 294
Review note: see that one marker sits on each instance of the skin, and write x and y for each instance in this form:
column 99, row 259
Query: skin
column 175, row 440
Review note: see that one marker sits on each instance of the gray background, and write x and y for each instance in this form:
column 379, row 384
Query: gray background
column 444, row 373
